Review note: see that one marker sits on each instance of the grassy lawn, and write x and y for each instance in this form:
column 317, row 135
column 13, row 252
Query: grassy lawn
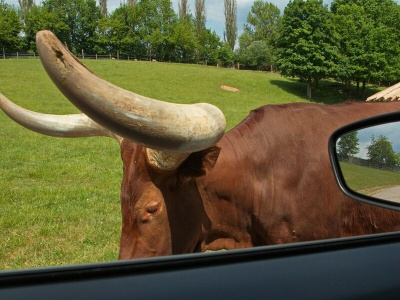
column 59, row 198
column 368, row 180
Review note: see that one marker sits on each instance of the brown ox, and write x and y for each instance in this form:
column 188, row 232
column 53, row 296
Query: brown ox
column 267, row 181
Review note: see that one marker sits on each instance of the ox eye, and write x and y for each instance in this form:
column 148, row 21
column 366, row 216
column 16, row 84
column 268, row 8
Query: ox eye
column 152, row 209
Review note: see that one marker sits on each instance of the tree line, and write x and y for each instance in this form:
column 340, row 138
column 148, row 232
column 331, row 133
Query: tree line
column 379, row 152
column 352, row 41
column 148, row 29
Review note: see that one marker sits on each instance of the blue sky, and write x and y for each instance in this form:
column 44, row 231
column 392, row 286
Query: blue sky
column 214, row 11
column 390, row 130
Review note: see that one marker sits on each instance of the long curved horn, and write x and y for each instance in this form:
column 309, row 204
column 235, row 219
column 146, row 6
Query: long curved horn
column 75, row 125
column 166, row 127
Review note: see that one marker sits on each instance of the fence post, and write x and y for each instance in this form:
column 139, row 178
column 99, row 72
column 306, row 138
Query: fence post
column 83, row 54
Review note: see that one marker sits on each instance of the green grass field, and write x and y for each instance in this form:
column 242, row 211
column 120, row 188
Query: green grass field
column 368, row 180
column 59, row 198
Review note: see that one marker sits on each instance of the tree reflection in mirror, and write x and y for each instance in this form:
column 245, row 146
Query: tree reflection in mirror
column 369, row 159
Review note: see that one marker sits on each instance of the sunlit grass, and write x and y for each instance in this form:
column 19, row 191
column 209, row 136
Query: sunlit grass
column 368, row 180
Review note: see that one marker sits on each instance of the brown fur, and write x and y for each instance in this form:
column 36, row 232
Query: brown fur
column 272, row 183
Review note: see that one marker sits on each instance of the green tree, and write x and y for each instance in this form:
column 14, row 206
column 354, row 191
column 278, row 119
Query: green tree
column 230, row 23
column 132, row 2
column 10, row 28
column 262, row 21
column 209, row 45
column 369, row 41
column 307, row 46
column 348, row 144
column 102, row 43
column 226, row 57
column 257, row 55
column 381, row 153
column 257, row 42
column 25, row 6
column 37, row 18
column 87, row 23
column 208, row 42
column 200, row 16
column 75, row 22
column 245, row 39
column 185, row 42
column 122, row 34
column 353, row 29
column 183, row 10
column 158, row 20
column 103, row 7
column 63, row 19
column 151, row 29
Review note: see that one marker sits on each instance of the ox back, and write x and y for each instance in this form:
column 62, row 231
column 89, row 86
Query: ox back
column 272, row 183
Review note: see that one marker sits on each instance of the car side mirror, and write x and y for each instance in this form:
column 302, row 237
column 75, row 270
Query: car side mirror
column 365, row 157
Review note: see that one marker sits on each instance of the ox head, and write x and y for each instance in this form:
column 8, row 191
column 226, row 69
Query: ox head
column 163, row 147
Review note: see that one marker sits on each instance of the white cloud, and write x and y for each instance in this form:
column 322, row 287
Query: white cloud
column 245, row 3
column 390, row 130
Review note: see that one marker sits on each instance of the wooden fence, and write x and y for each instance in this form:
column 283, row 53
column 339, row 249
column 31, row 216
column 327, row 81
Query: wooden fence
column 367, row 163
column 20, row 55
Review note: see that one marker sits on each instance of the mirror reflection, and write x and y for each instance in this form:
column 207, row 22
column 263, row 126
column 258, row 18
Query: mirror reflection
column 370, row 160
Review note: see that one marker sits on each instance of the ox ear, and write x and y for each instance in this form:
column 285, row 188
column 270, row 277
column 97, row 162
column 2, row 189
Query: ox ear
column 200, row 163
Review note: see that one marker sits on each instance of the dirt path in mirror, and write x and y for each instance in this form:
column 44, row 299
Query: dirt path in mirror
column 391, row 194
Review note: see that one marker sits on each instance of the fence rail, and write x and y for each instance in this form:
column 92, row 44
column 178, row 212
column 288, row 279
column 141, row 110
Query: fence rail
column 367, row 163
column 83, row 56
column 19, row 55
